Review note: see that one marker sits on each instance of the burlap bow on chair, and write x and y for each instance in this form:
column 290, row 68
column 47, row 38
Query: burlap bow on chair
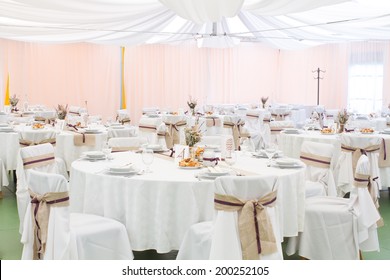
column 255, row 227
column 41, row 205
column 364, row 181
column 357, row 152
column 173, row 137
column 236, row 131
column 38, row 161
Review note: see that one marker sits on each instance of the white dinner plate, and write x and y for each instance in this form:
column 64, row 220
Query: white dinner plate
column 117, row 172
column 94, row 155
column 286, row 162
column 190, row 167
column 6, row 129
column 262, row 154
column 297, row 165
column 216, row 172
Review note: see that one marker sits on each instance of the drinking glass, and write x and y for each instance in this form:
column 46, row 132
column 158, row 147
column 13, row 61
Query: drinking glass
column 230, row 158
column 106, row 150
column 147, row 158
column 270, row 151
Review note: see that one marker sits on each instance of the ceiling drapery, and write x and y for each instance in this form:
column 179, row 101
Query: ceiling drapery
column 283, row 24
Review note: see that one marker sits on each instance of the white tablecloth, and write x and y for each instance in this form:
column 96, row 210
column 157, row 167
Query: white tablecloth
column 9, row 142
column 157, row 208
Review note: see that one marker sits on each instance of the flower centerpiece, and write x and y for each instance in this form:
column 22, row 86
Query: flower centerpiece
column 264, row 100
column 193, row 135
column 14, row 101
column 192, row 105
column 62, row 111
column 342, row 119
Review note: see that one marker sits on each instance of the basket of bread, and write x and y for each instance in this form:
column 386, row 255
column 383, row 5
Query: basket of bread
column 189, row 163
column 38, row 125
column 327, row 130
column 367, row 130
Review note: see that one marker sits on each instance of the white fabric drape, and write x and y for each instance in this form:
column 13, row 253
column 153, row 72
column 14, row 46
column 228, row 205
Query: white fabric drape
column 281, row 23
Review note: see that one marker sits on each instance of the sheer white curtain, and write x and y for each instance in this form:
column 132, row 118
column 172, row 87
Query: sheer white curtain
column 367, row 79
column 165, row 76
column 63, row 74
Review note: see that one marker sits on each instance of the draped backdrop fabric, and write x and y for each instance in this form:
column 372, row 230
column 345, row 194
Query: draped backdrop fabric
column 165, row 76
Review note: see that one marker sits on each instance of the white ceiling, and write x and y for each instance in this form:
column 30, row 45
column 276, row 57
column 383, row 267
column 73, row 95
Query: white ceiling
column 283, row 24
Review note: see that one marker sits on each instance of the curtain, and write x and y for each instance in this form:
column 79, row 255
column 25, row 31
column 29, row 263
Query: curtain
column 63, row 74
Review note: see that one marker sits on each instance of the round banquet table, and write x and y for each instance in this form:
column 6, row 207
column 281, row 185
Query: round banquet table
column 158, row 208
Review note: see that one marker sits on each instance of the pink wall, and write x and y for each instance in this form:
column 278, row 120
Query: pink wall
column 165, row 76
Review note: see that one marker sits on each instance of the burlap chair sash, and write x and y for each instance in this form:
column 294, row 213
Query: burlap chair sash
column 315, row 160
column 82, row 139
column 384, row 156
column 123, row 149
column 25, row 143
column 266, row 120
column 213, row 121
column 41, row 205
column 45, row 120
column 38, row 161
column 361, row 180
column 173, row 136
column 125, row 120
column 253, row 116
column 255, row 227
column 357, row 152
column 236, row 130
column 74, row 113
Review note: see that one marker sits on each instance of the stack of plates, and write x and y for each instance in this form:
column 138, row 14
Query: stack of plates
column 262, row 154
column 291, row 131
column 94, row 155
column 288, row 163
column 214, row 172
column 6, row 129
column 386, row 131
column 91, row 130
column 125, row 169
column 155, row 147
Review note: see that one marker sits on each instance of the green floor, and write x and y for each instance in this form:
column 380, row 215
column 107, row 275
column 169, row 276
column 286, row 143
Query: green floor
column 11, row 249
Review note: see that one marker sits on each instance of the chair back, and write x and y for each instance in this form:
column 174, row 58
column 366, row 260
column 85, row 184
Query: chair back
column 363, row 200
column 123, row 144
column 227, row 238
column 58, row 226
column 318, row 159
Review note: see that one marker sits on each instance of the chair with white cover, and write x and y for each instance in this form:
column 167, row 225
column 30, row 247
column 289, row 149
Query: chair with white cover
column 352, row 146
column 50, row 232
column 122, row 144
column 232, row 233
column 123, row 116
column 38, row 157
column 337, row 228
column 319, row 174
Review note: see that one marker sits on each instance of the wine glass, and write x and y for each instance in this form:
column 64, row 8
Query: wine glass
column 230, row 158
column 106, row 150
column 147, row 158
column 270, row 151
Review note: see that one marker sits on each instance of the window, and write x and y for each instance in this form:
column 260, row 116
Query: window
column 365, row 87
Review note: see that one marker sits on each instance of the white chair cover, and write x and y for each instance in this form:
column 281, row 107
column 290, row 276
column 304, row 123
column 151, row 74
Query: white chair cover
column 43, row 153
column 220, row 239
column 344, row 171
column 336, row 228
column 126, row 143
column 319, row 178
column 73, row 236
